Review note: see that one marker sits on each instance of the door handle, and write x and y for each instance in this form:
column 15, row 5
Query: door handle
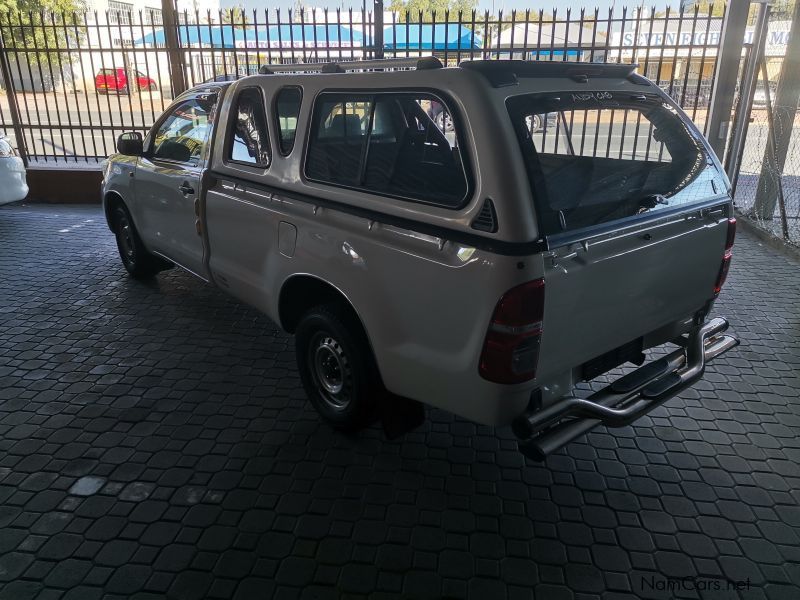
column 186, row 189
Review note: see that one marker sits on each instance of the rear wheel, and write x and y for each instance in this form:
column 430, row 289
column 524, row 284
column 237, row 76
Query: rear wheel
column 135, row 257
column 337, row 367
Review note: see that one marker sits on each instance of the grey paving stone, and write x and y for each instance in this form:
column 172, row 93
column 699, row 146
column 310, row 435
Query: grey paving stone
column 155, row 442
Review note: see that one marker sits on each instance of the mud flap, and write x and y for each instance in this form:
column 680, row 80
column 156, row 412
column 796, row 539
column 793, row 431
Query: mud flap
column 400, row 415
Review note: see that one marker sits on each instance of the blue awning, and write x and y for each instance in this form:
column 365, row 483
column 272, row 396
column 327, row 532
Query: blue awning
column 299, row 36
column 414, row 36
column 216, row 36
column 274, row 36
column 426, row 36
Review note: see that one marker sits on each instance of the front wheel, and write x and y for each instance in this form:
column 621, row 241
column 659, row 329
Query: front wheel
column 337, row 367
column 135, row 257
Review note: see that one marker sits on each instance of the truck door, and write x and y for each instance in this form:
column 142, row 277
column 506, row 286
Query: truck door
column 168, row 182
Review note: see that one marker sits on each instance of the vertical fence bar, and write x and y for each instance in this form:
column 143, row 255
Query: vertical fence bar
column 339, row 37
column 280, row 35
column 316, row 37
column 98, row 31
column 708, row 22
column 378, row 37
column 688, row 69
column 292, row 58
column 83, row 78
column 58, row 52
column 140, row 97
column 269, row 36
column 113, row 61
column 26, row 54
column 472, row 36
column 38, row 62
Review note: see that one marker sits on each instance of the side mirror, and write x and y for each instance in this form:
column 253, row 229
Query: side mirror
column 130, row 143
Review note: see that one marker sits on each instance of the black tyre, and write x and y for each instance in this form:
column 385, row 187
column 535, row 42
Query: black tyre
column 135, row 257
column 337, row 367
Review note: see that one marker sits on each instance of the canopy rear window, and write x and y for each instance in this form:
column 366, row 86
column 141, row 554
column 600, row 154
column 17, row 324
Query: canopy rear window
column 595, row 157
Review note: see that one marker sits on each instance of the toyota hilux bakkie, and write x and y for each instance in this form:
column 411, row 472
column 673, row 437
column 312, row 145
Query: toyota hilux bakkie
column 483, row 262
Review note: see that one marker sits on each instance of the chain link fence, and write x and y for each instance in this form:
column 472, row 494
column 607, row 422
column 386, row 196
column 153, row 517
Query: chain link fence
column 767, row 192
column 767, row 188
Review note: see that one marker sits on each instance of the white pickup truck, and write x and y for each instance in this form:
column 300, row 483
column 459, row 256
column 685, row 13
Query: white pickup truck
column 484, row 267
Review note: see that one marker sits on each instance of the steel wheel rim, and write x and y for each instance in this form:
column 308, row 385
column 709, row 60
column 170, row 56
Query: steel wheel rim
column 331, row 371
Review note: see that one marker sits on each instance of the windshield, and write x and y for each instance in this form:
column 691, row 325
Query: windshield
column 595, row 157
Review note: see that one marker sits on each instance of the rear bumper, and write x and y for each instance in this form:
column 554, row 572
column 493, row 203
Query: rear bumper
column 546, row 430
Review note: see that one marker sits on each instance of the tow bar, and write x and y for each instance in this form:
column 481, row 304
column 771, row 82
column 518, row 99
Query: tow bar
column 544, row 431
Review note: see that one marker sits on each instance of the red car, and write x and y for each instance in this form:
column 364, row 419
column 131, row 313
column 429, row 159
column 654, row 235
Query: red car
column 119, row 80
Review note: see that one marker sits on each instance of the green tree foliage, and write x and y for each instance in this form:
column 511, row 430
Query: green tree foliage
column 716, row 9
column 427, row 8
column 782, row 9
column 236, row 16
column 29, row 24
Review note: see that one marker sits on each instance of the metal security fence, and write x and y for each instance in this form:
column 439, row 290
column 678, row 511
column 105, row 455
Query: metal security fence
column 767, row 182
column 74, row 81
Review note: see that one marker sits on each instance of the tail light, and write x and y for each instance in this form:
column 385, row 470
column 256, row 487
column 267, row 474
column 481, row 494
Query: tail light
column 726, row 258
column 511, row 348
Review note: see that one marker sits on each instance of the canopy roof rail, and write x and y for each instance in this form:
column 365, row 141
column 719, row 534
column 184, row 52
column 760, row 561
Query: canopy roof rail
column 378, row 64
column 506, row 72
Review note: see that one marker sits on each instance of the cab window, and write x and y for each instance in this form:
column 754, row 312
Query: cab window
column 249, row 143
column 389, row 144
column 287, row 109
column 183, row 135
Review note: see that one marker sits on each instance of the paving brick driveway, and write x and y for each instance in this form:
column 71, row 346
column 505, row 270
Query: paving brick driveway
column 155, row 442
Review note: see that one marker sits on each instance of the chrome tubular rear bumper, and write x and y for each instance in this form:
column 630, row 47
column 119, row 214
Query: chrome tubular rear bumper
column 546, row 430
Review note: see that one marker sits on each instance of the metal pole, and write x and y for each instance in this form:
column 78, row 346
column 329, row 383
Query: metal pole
column 11, row 94
column 786, row 100
column 728, row 61
column 771, row 151
column 744, row 106
column 170, row 19
column 377, row 51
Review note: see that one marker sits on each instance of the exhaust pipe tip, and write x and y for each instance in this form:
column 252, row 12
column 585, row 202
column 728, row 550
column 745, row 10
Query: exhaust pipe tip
column 532, row 451
column 522, row 427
